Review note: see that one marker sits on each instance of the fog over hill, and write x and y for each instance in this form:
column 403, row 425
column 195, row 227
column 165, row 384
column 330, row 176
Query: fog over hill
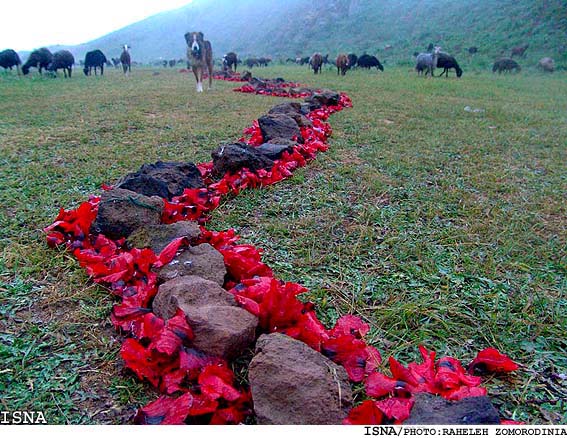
column 392, row 29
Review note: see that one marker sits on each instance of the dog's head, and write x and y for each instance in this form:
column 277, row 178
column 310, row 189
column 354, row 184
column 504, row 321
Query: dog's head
column 195, row 42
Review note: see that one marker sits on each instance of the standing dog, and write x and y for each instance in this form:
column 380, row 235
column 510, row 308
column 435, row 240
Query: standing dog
column 200, row 55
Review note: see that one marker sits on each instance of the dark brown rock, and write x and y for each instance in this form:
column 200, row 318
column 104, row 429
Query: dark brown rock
column 292, row 109
column 233, row 157
column 201, row 260
column 274, row 151
column 224, row 331
column 189, row 292
column 163, row 179
column 157, row 237
column 279, row 126
column 432, row 409
column 120, row 212
column 293, row 384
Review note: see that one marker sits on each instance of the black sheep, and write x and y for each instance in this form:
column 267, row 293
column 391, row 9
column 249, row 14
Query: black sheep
column 352, row 60
column 368, row 61
column 9, row 58
column 39, row 59
column 230, row 61
column 62, row 59
column 505, row 65
column 447, row 62
column 94, row 59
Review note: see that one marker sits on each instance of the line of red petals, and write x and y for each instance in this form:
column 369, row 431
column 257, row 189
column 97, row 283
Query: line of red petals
column 160, row 351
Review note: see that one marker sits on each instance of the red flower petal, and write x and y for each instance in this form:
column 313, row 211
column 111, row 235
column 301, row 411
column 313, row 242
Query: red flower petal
column 365, row 413
column 491, row 360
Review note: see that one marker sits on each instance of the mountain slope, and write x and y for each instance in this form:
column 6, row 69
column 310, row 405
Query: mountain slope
column 301, row 27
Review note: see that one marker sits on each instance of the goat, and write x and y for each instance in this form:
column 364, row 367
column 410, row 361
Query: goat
column 342, row 64
column 519, row 51
column 316, row 62
column 505, row 65
column 230, row 61
column 427, row 61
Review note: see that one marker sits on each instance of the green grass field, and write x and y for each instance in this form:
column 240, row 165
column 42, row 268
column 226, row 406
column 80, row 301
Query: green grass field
column 436, row 225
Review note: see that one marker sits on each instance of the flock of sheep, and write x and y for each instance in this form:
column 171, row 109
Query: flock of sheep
column 425, row 62
column 63, row 59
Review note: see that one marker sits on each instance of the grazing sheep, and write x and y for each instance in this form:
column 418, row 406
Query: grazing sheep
column 352, row 60
column 9, row 58
column 62, row 59
column 316, row 62
column 547, row 65
column 427, row 62
column 519, row 51
column 230, row 61
column 125, row 59
column 94, row 59
column 342, row 64
column 39, row 59
column 251, row 62
column 505, row 65
column 447, row 62
column 368, row 61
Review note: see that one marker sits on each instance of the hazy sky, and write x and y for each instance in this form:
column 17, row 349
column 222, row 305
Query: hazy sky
column 31, row 24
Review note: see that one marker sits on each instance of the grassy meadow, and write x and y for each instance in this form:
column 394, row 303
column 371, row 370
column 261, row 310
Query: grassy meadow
column 437, row 225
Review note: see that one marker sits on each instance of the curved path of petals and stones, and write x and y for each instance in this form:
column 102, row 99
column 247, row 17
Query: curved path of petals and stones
column 192, row 301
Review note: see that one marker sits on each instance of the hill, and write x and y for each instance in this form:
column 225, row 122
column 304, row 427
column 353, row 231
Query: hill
column 301, row 27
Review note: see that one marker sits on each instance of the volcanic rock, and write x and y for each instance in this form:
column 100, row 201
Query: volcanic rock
column 233, row 157
column 293, row 384
column 189, row 292
column 224, row 331
column 120, row 212
column 292, row 109
column 325, row 97
column 279, row 126
column 157, row 237
column 274, row 151
column 164, row 179
column 432, row 409
column 201, row 260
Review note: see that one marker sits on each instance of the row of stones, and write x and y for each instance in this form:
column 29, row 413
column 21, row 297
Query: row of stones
column 290, row 382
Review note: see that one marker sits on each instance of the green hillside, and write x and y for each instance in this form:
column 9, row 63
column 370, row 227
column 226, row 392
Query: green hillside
column 301, row 27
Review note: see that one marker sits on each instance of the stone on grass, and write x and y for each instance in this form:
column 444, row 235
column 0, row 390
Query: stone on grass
column 432, row 409
column 202, row 261
column 233, row 157
column 273, row 150
column 279, row 126
column 187, row 292
column 163, row 179
column 221, row 328
column 293, row 110
column 121, row 211
column 293, row 384
column 157, row 237
column 225, row 331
